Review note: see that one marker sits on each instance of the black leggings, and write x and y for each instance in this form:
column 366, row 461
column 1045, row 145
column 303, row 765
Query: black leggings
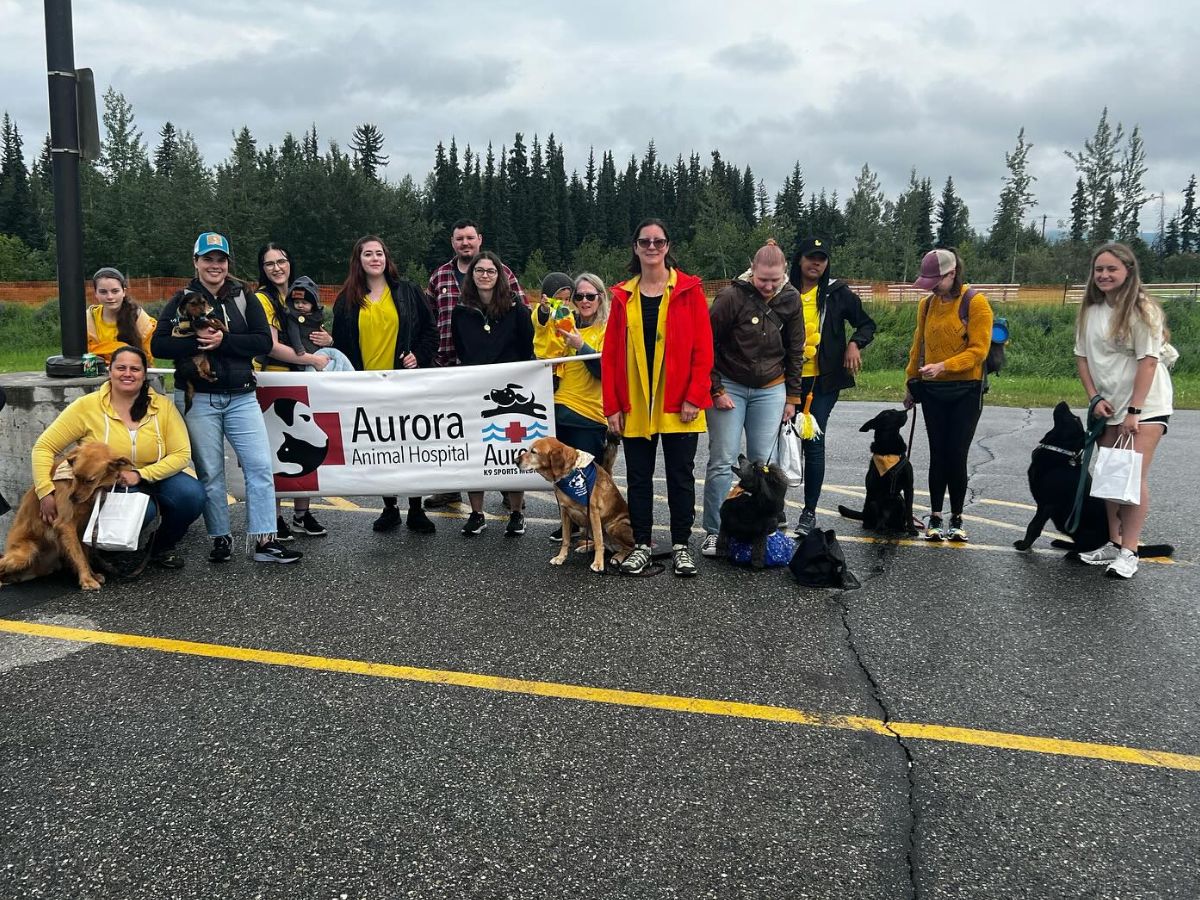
column 679, row 457
column 950, row 426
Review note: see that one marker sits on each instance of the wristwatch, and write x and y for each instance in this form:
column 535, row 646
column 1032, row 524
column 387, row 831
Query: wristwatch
column 1134, row 411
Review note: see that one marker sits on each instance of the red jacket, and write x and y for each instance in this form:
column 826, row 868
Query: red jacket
column 687, row 347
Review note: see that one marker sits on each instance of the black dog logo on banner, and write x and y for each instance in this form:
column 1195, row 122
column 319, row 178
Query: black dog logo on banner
column 511, row 401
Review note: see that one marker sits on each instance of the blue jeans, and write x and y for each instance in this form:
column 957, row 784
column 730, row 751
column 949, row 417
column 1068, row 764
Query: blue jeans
column 180, row 500
column 758, row 412
column 212, row 419
column 814, row 450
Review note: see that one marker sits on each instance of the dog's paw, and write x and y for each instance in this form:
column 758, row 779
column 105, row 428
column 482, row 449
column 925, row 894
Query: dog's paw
column 559, row 560
column 597, row 567
column 91, row 584
column 1022, row 545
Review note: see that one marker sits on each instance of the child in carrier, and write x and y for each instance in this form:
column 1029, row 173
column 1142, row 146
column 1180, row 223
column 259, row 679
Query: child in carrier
column 302, row 316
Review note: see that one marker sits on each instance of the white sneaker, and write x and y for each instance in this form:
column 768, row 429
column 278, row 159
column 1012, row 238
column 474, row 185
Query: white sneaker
column 1124, row 566
column 1101, row 556
column 708, row 547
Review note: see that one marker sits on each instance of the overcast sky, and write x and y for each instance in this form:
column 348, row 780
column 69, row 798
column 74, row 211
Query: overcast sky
column 942, row 87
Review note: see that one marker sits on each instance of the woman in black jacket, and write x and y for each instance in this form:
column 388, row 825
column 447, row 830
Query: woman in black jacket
column 828, row 305
column 381, row 321
column 224, row 406
column 491, row 325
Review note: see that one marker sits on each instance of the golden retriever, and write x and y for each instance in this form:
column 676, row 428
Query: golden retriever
column 604, row 513
column 33, row 548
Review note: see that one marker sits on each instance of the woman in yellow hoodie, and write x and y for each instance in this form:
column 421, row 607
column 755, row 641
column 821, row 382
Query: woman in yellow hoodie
column 945, row 371
column 142, row 425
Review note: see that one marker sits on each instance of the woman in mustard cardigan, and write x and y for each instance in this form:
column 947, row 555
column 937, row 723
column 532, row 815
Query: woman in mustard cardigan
column 946, row 363
column 656, row 376
column 138, row 423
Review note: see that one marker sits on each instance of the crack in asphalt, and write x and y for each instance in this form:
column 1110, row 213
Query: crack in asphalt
column 972, row 470
column 910, row 839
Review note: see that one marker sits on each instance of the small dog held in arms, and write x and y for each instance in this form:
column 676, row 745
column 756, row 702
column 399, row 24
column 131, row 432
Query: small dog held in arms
column 1054, row 472
column 193, row 313
column 587, row 497
column 889, row 503
column 33, row 548
column 753, row 508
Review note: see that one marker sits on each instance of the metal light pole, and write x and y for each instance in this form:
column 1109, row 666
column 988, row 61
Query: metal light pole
column 68, row 210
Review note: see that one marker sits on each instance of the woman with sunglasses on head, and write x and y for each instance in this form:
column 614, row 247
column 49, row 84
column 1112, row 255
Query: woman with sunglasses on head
column 1120, row 344
column 656, row 374
column 491, row 325
column 382, row 321
column 114, row 320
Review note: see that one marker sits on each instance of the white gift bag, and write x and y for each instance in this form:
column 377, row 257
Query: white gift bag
column 790, row 459
column 117, row 518
column 1117, row 475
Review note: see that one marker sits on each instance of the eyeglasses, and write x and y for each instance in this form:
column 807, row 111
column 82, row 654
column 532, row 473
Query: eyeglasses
column 275, row 263
column 487, row 273
column 590, row 298
column 656, row 243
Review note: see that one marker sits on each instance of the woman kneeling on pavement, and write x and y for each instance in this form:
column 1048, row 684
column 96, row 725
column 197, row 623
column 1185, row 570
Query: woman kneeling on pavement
column 141, row 424
column 758, row 337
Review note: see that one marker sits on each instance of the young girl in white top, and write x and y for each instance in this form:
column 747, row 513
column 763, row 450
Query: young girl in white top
column 1119, row 340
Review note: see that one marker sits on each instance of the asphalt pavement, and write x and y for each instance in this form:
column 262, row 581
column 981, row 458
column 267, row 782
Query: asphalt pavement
column 430, row 716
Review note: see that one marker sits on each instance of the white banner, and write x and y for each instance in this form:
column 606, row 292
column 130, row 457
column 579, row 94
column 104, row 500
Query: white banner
column 411, row 431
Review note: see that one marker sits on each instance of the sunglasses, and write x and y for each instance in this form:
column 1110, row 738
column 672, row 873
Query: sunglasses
column 656, row 243
column 591, row 298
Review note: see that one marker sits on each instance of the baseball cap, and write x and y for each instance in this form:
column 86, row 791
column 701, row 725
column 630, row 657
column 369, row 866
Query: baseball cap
column 210, row 241
column 935, row 265
column 814, row 246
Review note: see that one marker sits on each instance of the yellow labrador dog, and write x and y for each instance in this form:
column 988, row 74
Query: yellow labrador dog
column 586, row 496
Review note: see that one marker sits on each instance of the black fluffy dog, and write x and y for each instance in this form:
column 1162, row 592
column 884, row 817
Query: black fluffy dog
column 751, row 511
column 889, row 503
column 1054, row 473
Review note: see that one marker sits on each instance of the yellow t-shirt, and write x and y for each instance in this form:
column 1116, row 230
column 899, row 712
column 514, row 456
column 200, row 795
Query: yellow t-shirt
column 273, row 365
column 102, row 336
column 378, row 328
column 812, row 326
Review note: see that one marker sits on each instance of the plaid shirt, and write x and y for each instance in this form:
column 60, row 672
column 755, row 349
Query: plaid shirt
column 443, row 294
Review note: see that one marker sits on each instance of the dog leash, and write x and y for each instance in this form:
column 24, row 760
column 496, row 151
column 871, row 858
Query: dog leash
column 1096, row 425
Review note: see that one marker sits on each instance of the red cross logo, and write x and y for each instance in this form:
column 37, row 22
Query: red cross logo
column 515, row 432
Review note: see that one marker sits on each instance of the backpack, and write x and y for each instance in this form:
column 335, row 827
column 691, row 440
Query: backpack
column 820, row 562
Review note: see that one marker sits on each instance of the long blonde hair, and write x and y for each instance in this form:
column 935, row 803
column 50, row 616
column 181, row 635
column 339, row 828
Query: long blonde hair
column 1131, row 297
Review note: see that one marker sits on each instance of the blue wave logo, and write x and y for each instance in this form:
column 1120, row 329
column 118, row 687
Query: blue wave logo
column 514, row 432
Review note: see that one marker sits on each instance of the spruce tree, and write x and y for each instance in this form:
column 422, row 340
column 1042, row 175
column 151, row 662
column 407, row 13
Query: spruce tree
column 17, row 214
column 1189, row 240
column 366, row 145
column 1080, row 213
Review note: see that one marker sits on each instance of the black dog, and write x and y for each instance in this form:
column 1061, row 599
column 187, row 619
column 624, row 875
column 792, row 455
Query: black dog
column 1054, row 473
column 751, row 511
column 889, row 503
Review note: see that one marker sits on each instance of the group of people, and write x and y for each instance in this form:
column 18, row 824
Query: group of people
column 784, row 338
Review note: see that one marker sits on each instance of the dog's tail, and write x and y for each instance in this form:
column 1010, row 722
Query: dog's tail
column 848, row 513
column 611, row 448
column 1145, row 551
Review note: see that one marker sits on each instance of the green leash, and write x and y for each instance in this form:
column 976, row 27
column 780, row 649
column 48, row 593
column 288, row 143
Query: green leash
column 1095, row 428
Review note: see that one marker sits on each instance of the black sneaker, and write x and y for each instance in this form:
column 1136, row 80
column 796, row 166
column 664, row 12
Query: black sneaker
column 685, row 566
column 437, row 501
column 476, row 523
column 806, row 523
column 307, row 524
column 168, row 559
column 638, row 560
column 516, row 524
column 956, row 531
column 556, row 534
column 419, row 522
column 388, row 519
column 282, row 532
column 934, row 529
column 273, row 551
column 222, row 549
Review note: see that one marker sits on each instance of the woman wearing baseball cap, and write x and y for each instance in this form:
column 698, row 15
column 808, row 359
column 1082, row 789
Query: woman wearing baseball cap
column 225, row 407
column 945, row 375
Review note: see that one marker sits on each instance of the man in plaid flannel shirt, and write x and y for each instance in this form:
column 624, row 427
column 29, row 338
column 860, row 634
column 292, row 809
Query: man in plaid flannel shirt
column 445, row 282
column 443, row 292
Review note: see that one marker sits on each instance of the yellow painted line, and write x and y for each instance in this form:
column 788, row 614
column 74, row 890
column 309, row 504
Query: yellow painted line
column 637, row 699
column 858, row 492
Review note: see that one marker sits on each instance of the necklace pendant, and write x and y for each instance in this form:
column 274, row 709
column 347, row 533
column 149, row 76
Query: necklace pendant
column 487, row 327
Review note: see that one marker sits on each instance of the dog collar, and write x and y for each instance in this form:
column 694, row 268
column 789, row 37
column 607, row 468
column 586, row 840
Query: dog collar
column 1074, row 454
